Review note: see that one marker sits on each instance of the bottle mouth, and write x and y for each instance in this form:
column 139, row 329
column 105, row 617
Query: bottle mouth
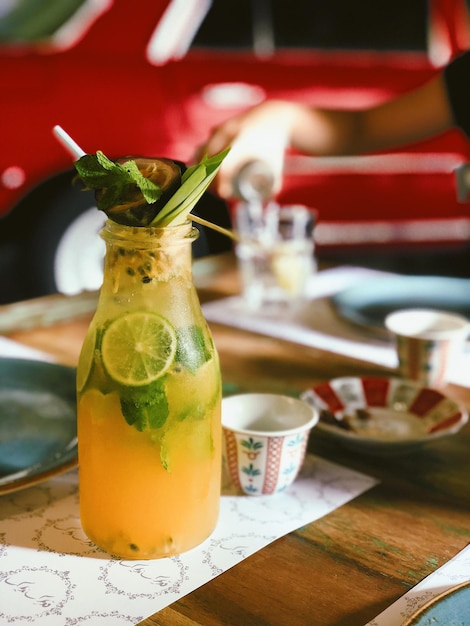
column 150, row 236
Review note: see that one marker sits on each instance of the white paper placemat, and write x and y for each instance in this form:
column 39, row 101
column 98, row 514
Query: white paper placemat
column 332, row 336
column 52, row 575
column 454, row 572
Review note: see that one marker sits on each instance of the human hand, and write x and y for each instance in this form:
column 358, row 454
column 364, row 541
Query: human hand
column 260, row 134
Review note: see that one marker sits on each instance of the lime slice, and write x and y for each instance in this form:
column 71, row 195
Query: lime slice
column 138, row 348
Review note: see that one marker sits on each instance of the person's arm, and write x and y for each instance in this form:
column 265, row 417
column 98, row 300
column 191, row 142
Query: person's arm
column 408, row 118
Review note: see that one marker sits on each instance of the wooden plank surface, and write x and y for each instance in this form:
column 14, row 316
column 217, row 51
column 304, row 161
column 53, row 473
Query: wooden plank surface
column 347, row 567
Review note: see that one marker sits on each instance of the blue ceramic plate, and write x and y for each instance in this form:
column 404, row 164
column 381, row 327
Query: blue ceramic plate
column 451, row 608
column 369, row 302
column 38, row 422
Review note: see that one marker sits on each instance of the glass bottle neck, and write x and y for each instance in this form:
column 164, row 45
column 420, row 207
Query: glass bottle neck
column 139, row 256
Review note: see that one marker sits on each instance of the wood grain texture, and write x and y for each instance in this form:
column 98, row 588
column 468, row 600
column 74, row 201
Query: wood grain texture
column 345, row 568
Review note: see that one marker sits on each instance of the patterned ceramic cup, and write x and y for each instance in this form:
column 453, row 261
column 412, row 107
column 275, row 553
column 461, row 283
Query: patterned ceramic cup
column 427, row 341
column 265, row 437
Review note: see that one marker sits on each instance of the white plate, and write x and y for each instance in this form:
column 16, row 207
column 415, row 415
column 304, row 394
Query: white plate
column 379, row 415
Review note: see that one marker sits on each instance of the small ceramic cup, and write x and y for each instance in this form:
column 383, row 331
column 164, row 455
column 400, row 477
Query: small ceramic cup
column 427, row 341
column 265, row 440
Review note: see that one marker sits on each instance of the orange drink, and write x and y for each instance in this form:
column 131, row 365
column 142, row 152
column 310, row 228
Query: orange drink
column 149, row 394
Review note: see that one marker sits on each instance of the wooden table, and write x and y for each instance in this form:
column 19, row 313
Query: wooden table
column 343, row 569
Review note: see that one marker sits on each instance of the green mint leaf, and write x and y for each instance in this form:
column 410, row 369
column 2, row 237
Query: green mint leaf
column 191, row 349
column 145, row 408
column 90, row 171
column 149, row 189
column 106, row 163
column 114, row 181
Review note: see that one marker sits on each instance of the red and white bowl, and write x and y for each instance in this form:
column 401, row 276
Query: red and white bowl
column 380, row 415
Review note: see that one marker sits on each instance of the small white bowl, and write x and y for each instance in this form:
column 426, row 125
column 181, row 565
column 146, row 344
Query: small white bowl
column 265, row 440
column 379, row 415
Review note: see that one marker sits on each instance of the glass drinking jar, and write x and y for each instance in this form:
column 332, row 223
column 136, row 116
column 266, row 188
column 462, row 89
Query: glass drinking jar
column 149, row 394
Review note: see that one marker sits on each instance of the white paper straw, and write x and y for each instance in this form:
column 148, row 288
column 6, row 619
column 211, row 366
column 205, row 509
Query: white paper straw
column 67, row 141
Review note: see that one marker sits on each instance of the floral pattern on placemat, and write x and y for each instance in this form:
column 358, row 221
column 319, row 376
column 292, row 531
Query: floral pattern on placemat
column 52, row 575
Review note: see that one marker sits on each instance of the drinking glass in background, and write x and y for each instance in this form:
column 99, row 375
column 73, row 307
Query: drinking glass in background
column 275, row 253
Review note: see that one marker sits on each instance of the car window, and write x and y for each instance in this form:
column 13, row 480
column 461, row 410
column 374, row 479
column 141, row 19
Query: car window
column 272, row 25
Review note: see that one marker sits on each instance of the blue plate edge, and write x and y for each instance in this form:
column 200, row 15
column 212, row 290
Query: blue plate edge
column 66, row 461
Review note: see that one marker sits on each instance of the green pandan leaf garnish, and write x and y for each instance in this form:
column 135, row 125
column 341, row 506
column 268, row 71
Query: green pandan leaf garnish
column 194, row 183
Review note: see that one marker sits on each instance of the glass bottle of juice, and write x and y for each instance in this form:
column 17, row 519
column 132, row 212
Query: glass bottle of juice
column 149, row 393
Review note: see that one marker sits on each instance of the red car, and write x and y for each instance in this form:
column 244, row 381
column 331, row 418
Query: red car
column 153, row 77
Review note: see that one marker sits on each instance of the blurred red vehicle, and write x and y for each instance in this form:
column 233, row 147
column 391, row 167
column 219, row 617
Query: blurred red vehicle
column 153, row 77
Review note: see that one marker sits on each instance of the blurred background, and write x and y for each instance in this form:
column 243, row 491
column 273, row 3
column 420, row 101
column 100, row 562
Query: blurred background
column 154, row 77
